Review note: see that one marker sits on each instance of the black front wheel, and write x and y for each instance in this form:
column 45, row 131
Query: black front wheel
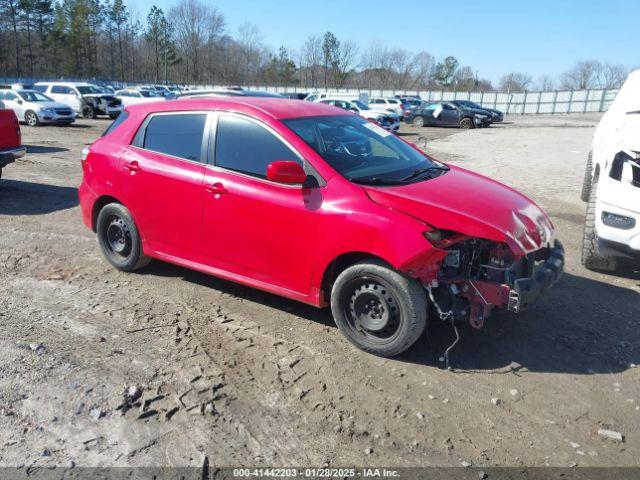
column 119, row 238
column 89, row 112
column 379, row 309
column 466, row 123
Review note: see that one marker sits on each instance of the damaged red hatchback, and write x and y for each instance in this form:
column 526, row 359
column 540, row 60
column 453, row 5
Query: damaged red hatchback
column 316, row 204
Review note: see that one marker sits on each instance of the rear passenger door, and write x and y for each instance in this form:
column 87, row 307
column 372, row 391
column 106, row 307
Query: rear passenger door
column 161, row 175
column 255, row 228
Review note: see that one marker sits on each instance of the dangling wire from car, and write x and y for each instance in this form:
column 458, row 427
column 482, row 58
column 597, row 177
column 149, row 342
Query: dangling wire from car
column 445, row 316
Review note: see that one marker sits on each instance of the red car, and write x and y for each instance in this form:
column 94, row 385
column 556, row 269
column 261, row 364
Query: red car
column 10, row 139
column 316, row 204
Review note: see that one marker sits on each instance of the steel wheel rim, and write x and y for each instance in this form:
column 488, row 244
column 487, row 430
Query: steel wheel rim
column 371, row 310
column 118, row 238
column 31, row 119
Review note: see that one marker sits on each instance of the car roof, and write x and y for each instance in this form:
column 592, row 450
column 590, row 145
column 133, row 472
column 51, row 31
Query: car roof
column 278, row 108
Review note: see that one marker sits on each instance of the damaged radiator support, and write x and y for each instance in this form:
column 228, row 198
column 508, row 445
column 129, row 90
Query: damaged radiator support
column 444, row 316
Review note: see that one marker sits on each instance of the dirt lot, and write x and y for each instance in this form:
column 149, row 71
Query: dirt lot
column 246, row 378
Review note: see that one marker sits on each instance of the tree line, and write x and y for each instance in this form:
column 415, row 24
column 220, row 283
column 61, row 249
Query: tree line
column 191, row 43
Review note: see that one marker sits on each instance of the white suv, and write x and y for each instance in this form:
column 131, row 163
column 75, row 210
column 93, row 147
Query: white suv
column 85, row 99
column 390, row 104
column 612, row 183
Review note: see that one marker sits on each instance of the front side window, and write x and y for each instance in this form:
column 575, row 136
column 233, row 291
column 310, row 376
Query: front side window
column 245, row 146
column 40, row 88
column 363, row 152
column 178, row 135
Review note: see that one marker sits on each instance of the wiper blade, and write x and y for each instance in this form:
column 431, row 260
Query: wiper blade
column 421, row 171
column 376, row 181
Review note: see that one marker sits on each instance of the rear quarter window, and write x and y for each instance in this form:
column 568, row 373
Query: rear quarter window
column 178, row 135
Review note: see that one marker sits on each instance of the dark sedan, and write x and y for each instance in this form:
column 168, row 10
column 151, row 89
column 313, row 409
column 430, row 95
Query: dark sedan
column 496, row 115
column 446, row 114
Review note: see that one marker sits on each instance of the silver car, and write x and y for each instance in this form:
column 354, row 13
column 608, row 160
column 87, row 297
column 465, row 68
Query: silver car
column 35, row 108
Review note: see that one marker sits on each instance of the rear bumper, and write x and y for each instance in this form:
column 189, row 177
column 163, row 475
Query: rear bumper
column 525, row 291
column 11, row 155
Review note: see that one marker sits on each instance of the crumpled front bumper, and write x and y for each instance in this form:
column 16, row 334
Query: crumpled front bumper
column 11, row 155
column 526, row 290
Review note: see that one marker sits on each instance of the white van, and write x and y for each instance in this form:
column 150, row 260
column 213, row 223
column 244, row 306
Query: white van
column 612, row 183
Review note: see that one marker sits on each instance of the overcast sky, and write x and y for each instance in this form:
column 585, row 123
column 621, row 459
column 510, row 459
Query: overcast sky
column 494, row 36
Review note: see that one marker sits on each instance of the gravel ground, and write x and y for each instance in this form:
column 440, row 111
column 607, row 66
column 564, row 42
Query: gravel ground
column 169, row 366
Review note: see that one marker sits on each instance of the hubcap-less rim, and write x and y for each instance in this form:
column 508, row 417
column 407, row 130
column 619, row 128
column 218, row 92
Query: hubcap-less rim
column 371, row 310
column 118, row 237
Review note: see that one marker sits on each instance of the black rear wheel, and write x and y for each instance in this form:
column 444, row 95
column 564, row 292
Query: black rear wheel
column 119, row 238
column 378, row 309
column 418, row 121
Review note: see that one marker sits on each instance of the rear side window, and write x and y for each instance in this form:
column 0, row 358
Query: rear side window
column 245, row 146
column 61, row 90
column 176, row 135
column 40, row 88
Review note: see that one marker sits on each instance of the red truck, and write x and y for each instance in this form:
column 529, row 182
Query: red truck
column 10, row 139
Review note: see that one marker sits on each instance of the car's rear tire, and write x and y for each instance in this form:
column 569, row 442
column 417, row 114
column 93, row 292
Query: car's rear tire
column 418, row 121
column 379, row 310
column 89, row 112
column 466, row 123
column 592, row 258
column 31, row 118
column 588, row 175
column 119, row 238
column 113, row 116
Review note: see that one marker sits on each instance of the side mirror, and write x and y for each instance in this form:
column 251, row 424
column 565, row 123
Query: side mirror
column 19, row 102
column 285, row 171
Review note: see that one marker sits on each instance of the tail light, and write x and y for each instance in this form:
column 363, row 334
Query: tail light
column 18, row 132
column 84, row 156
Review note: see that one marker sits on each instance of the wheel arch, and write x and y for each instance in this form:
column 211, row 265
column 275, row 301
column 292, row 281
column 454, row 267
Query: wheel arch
column 340, row 264
column 98, row 205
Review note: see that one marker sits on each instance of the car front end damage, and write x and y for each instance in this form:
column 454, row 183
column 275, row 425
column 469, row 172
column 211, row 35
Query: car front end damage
column 474, row 276
column 618, row 206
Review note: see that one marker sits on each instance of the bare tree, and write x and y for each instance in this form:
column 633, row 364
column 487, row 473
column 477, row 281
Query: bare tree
column 545, row 83
column 515, row 82
column 312, row 58
column 582, row 76
column 424, row 67
column 612, row 75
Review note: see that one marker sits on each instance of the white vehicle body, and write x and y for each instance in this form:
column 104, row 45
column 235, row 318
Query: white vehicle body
column 615, row 174
column 33, row 107
column 319, row 96
column 388, row 120
column 75, row 94
column 133, row 96
column 390, row 104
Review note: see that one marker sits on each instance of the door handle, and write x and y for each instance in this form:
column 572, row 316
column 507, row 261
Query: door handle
column 133, row 166
column 216, row 188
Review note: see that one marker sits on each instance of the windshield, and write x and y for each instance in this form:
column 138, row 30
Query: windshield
column 86, row 90
column 360, row 105
column 148, row 93
column 468, row 104
column 362, row 151
column 34, row 97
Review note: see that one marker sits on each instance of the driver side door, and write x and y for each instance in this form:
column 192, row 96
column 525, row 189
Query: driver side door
column 252, row 227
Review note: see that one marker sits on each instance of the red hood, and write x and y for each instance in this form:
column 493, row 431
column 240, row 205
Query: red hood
column 469, row 203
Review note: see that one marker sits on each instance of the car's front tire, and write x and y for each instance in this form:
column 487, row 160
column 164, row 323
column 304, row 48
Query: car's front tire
column 31, row 118
column 466, row 123
column 592, row 258
column 88, row 112
column 588, row 175
column 379, row 310
column 119, row 238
